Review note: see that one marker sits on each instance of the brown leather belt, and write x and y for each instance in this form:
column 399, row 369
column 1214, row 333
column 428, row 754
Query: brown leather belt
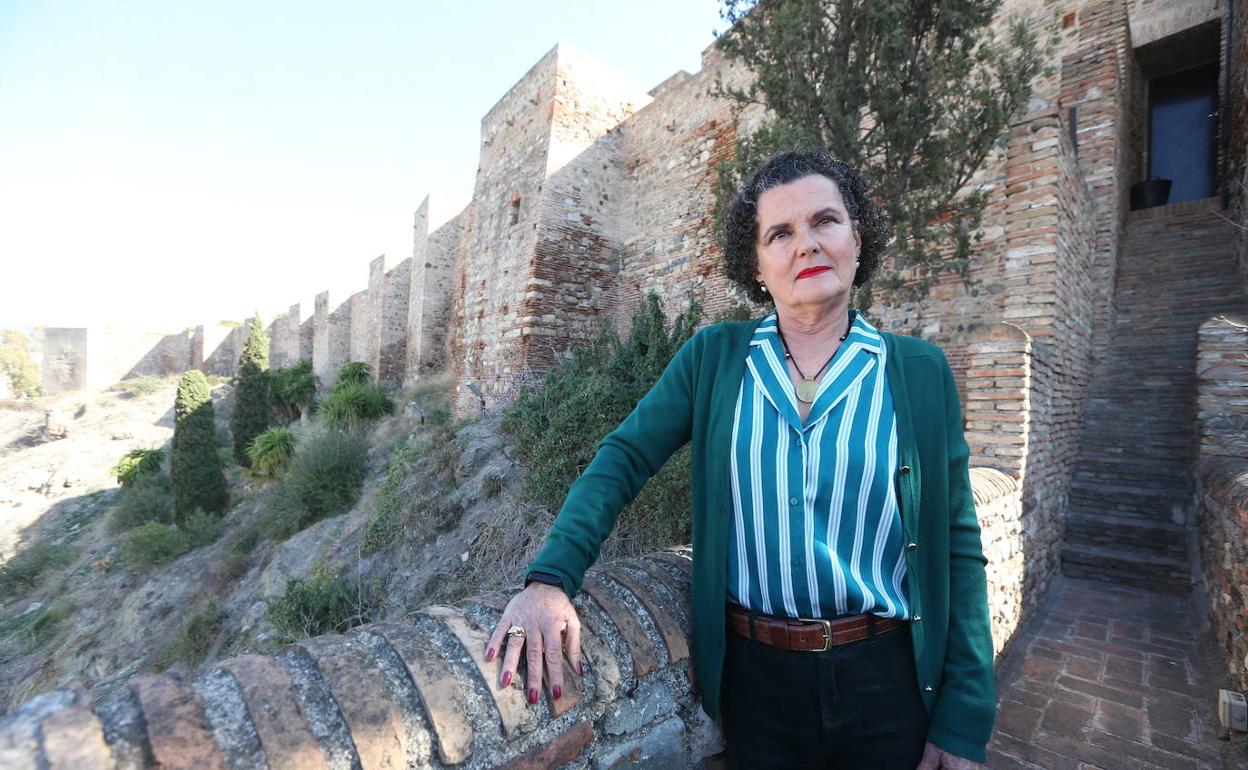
column 808, row 635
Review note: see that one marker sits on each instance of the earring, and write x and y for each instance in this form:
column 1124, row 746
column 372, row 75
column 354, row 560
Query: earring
column 763, row 286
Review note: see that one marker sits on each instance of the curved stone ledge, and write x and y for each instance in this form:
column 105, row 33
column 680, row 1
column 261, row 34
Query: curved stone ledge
column 416, row 692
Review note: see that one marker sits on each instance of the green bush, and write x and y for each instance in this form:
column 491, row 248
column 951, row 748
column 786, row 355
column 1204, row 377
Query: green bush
column 142, row 385
column 353, row 373
column 291, row 390
column 195, row 467
column 138, row 463
column 251, row 413
column 349, row 406
column 201, row 529
column 326, row 604
column 325, row 476
column 147, row 499
column 153, row 543
column 17, row 366
column 387, row 519
column 557, row 427
column 195, row 638
column 31, row 563
column 271, row 452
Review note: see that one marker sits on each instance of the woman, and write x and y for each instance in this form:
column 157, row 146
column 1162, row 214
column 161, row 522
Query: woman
column 838, row 588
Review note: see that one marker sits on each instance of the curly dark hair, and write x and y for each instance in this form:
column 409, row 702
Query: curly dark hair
column 741, row 225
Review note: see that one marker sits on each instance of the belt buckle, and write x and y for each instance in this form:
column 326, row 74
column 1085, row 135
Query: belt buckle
column 827, row 632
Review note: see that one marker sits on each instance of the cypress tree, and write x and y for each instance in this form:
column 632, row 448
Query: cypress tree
column 251, row 393
column 194, row 467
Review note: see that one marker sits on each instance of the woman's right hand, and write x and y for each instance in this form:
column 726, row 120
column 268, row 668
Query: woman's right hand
column 546, row 615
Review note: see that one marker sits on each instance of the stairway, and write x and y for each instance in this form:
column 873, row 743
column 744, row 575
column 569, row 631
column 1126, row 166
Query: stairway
column 1133, row 477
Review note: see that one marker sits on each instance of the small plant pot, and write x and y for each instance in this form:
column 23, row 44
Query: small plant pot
column 1150, row 192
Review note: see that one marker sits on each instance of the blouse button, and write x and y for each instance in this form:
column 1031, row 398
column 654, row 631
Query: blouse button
column 911, row 546
column 928, row 688
column 792, row 501
column 905, row 469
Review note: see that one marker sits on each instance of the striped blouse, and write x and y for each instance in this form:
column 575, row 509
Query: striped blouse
column 816, row 529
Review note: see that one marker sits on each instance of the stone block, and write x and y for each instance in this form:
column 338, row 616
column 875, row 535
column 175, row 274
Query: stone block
column 441, row 694
column 639, row 645
column 664, row 620
column 652, row 699
column 359, row 687
column 660, row 749
column 176, row 726
column 268, row 691
column 556, row 753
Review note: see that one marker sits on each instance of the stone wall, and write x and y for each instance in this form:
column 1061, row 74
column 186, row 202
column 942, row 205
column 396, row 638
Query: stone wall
column 1236, row 169
column 433, row 281
column 284, row 340
column 217, row 348
column 392, row 346
column 1222, row 386
column 331, row 335
column 1222, row 518
column 64, row 360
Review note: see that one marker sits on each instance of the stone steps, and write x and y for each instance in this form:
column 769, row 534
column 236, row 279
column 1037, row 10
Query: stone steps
column 1176, row 268
column 1160, row 538
column 1126, row 566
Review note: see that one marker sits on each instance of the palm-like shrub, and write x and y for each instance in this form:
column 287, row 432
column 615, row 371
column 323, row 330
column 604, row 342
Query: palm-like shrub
column 350, row 405
column 291, row 390
column 194, row 467
column 251, row 395
column 138, row 463
column 270, row 452
column 353, row 373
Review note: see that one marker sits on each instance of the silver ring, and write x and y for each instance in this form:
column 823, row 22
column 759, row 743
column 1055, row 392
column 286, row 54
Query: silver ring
column 515, row 631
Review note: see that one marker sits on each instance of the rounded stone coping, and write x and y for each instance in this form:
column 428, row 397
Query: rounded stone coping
column 1231, row 321
column 989, row 484
column 1226, row 478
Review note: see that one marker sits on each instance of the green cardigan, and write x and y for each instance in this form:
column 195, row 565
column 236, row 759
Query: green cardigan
column 694, row 400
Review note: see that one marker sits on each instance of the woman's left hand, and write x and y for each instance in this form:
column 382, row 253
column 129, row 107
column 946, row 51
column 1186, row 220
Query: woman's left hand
column 935, row 758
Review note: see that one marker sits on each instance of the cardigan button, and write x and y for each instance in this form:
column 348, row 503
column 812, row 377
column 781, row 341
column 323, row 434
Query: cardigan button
column 928, row 688
column 918, row 618
column 911, row 546
column 905, row 469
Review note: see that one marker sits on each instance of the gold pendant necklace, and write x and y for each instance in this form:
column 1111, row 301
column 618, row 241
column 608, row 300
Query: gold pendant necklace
column 808, row 388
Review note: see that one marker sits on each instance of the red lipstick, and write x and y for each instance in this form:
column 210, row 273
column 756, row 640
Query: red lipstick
column 812, row 271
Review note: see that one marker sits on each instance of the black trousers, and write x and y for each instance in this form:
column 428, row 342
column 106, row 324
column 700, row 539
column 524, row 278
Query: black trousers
column 855, row 706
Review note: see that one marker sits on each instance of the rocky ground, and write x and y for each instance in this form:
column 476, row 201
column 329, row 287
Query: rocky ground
column 98, row 622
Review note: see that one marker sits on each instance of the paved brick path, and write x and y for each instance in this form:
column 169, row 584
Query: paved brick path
column 1111, row 677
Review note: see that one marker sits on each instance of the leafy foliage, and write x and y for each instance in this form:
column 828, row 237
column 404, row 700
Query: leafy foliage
column 558, row 427
column 17, row 366
column 271, row 452
column 142, row 385
column 291, row 390
column 387, row 519
column 326, row 604
column 914, row 95
column 136, row 464
column 195, row 468
column 349, row 406
column 353, row 373
column 153, row 543
column 195, row 638
column 251, row 392
column 29, row 564
column 324, row 479
column 146, row 499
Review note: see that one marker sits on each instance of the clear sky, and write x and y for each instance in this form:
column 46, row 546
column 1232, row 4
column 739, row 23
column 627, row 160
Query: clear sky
column 165, row 163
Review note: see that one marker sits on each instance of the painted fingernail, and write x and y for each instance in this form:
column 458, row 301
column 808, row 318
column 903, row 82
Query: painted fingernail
column 489, row 655
column 557, row 692
column 580, row 667
column 532, row 697
column 506, row 678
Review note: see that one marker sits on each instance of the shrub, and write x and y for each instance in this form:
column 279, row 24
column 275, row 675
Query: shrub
column 142, row 385
column 147, row 499
column 195, row 467
column 558, row 426
column 270, row 452
column 152, row 544
column 387, row 519
column 29, row 564
column 291, row 390
column 251, row 392
column 195, row 638
column 353, row 373
column 17, row 366
column 348, row 406
column 326, row 604
column 138, row 463
column 326, row 474
column 201, row 529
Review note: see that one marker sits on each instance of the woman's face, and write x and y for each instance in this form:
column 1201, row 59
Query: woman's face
column 807, row 245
